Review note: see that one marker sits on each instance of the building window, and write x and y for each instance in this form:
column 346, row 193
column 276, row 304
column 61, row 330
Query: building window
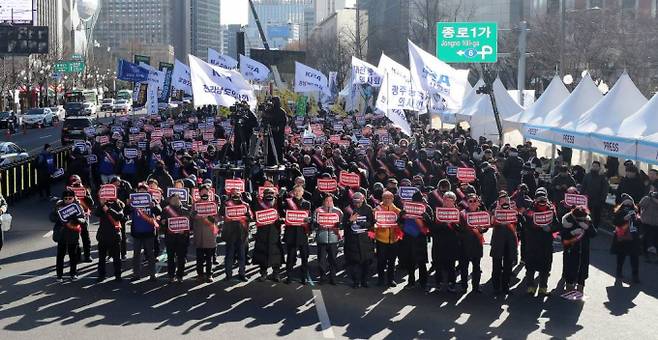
column 595, row 3
column 628, row 4
column 553, row 7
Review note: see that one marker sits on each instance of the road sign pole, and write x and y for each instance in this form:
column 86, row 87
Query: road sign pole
column 523, row 35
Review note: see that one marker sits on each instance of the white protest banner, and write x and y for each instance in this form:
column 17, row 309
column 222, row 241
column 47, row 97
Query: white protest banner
column 296, row 217
column 267, row 216
column 253, row 70
column 205, row 208
column 212, row 85
column 107, row 192
column 221, row 60
column 365, row 73
column 181, row 78
column 310, row 80
column 178, row 224
column 438, row 78
column 181, row 192
column 400, row 92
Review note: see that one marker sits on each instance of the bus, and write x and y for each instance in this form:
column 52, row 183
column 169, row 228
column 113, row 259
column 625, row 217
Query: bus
column 82, row 96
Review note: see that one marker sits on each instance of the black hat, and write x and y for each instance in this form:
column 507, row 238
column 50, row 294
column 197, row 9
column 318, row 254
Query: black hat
column 68, row 193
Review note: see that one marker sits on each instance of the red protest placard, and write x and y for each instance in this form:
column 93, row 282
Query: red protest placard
column 327, row 219
column 573, row 199
column 267, row 216
column 505, row 215
column 107, row 192
column 327, row 185
column 262, row 189
column 466, row 175
column 478, row 219
column 178, row 224
column 447, row 215
column 296, row 217
column 79, row 191
column 235, row 212
column 231, row 184
column 205, row 208
column 348, row 179
column 385, row 219
column 414, row 209
column 543, row 218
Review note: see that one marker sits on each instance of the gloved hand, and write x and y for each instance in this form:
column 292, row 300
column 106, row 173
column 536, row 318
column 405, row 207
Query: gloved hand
column 577, row 232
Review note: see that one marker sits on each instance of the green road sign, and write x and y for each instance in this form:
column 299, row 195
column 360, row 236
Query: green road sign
column 142, row 58
column 467, row 42
column 69, row 67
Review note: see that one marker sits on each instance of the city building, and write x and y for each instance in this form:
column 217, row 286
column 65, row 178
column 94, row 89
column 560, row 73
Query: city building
column 342, row 25
column 50, row 13
column 325, row 8
column 145, row 24
column 283, row 21
column 229, row 41
column 205, row 27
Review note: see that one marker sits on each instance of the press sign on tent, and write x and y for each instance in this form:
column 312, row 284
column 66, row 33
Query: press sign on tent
column 467, row 42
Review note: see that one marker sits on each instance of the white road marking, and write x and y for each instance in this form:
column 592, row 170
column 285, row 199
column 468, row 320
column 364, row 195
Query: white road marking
column 46, row 136
column 327, row 331
column 48, row 234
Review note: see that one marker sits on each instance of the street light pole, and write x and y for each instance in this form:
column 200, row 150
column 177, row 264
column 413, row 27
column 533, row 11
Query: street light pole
column 563, row 33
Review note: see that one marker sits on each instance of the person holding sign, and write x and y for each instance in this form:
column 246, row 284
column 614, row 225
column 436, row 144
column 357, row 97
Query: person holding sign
column 472, row 244
column 268, row 251
column 235, row 232
column 110, row 215
column 577, row 229
column 144, row 214
column 445, row 242
column 87, row 203
column 626, row 240
column 327, row 218
column 504, row 246
column 204, row 224
column 387, row 237
column 359, row 248
column 296, row 234
column 175, row 225
column 68, row 218
column 416, row 217
column 541, row 223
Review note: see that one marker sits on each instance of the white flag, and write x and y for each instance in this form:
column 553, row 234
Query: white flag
column 180, row 78
column 401, row 94
column 152, row 99
column 365, row 73
column 253, row 70
column 394, row 114
column 221, row 60
column 308, row 79
column 212, row 85
column 438, row 78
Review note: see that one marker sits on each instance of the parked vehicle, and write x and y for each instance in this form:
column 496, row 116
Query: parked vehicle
column 10, row 152
column 121, row 105
column 74, row 128
column 108, row 104
column 38, row 116
column 89, row 108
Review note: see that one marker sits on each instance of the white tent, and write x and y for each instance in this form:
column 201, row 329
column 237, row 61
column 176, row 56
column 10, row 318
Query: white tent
column 566, row 115
column 481, row 119
column 555, row 94
column 507, row 106
column 603, row 121
column 647, row 149
column 470, row 99
column 641, row 128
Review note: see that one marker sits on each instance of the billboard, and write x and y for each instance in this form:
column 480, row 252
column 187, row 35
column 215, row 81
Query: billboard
column 278, row 31
column 23, row 40
column 18, row 11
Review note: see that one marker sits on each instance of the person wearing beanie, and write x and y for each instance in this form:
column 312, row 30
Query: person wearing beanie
column 445, row 247
column 296, row 236
column 359, row 249
column 386, row 238
column 504, row 247
column 268, row 250
column 66, row 232
column 413, row 247
column 576, row 231
column 538, row 237
column 631, row 184
column 626, row 240
column 327, row 236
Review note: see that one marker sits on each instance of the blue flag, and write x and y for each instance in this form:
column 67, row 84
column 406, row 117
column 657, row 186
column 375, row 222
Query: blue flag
column 131, row 72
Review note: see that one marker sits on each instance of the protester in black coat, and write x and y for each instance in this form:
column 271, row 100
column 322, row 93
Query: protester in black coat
column 110, row 214
column 66, row 233
column 595, row 186
column 560, row 184
column 296, row 237
column 576, row 231
column 631, row 184
column 488, row 184
column 472, row 243
column 626, row 241
column 268, row 251
column 359, row 246
column 539, row 244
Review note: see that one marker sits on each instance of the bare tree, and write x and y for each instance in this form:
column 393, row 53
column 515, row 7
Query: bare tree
column 424, row 14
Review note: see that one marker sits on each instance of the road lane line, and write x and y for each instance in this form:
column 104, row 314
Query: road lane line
column 327, row 330
column 48, row 234
column 46, row 136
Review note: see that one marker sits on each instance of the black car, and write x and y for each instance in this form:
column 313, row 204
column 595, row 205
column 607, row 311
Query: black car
column 74, row 128
column 4, row 119
column 74, row 109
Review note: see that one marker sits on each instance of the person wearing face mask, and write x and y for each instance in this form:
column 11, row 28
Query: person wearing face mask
column 327, row 237
column 162, row 175
column 176, row 241
column 387, row 237
column 504, row 247
column 87, row 204
column 143, row 231
column 488, row 179
column 268, row 251
column 235, row 232
column 375, row 199
column 413, row 247
column 649, row 215
column 359, row 247
column 631, row 184
column 472, row 244
column 296, row 237
column 626, row 240
column 445, row 247
column 205, row 237
column 512, row 169
column 110, row 214
column 538, row 236
column 560, row 183
column 66, row 232
column 576, row 231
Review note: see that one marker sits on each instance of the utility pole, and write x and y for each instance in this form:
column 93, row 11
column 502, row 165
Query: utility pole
column 358, row 31
column 563, row 33
column 523, row 36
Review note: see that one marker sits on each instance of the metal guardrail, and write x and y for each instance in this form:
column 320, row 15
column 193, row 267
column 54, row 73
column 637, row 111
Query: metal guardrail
column 19, row 179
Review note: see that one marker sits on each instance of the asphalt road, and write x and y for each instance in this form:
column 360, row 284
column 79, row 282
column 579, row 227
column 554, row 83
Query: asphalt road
column 34, row 306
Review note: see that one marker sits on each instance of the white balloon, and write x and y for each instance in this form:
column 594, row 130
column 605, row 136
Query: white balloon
column 87, row 8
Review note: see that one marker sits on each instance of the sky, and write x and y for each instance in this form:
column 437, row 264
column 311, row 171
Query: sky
column 234, row 12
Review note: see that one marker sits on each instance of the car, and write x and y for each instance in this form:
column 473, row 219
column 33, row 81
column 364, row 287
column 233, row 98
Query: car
column 59, row 113
column 107, row 105
column 4, row 119
column 10, row 152
column 74, row 128
column 121, row 105
column 73, row 109
column 89, row 108
column 38, row 117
